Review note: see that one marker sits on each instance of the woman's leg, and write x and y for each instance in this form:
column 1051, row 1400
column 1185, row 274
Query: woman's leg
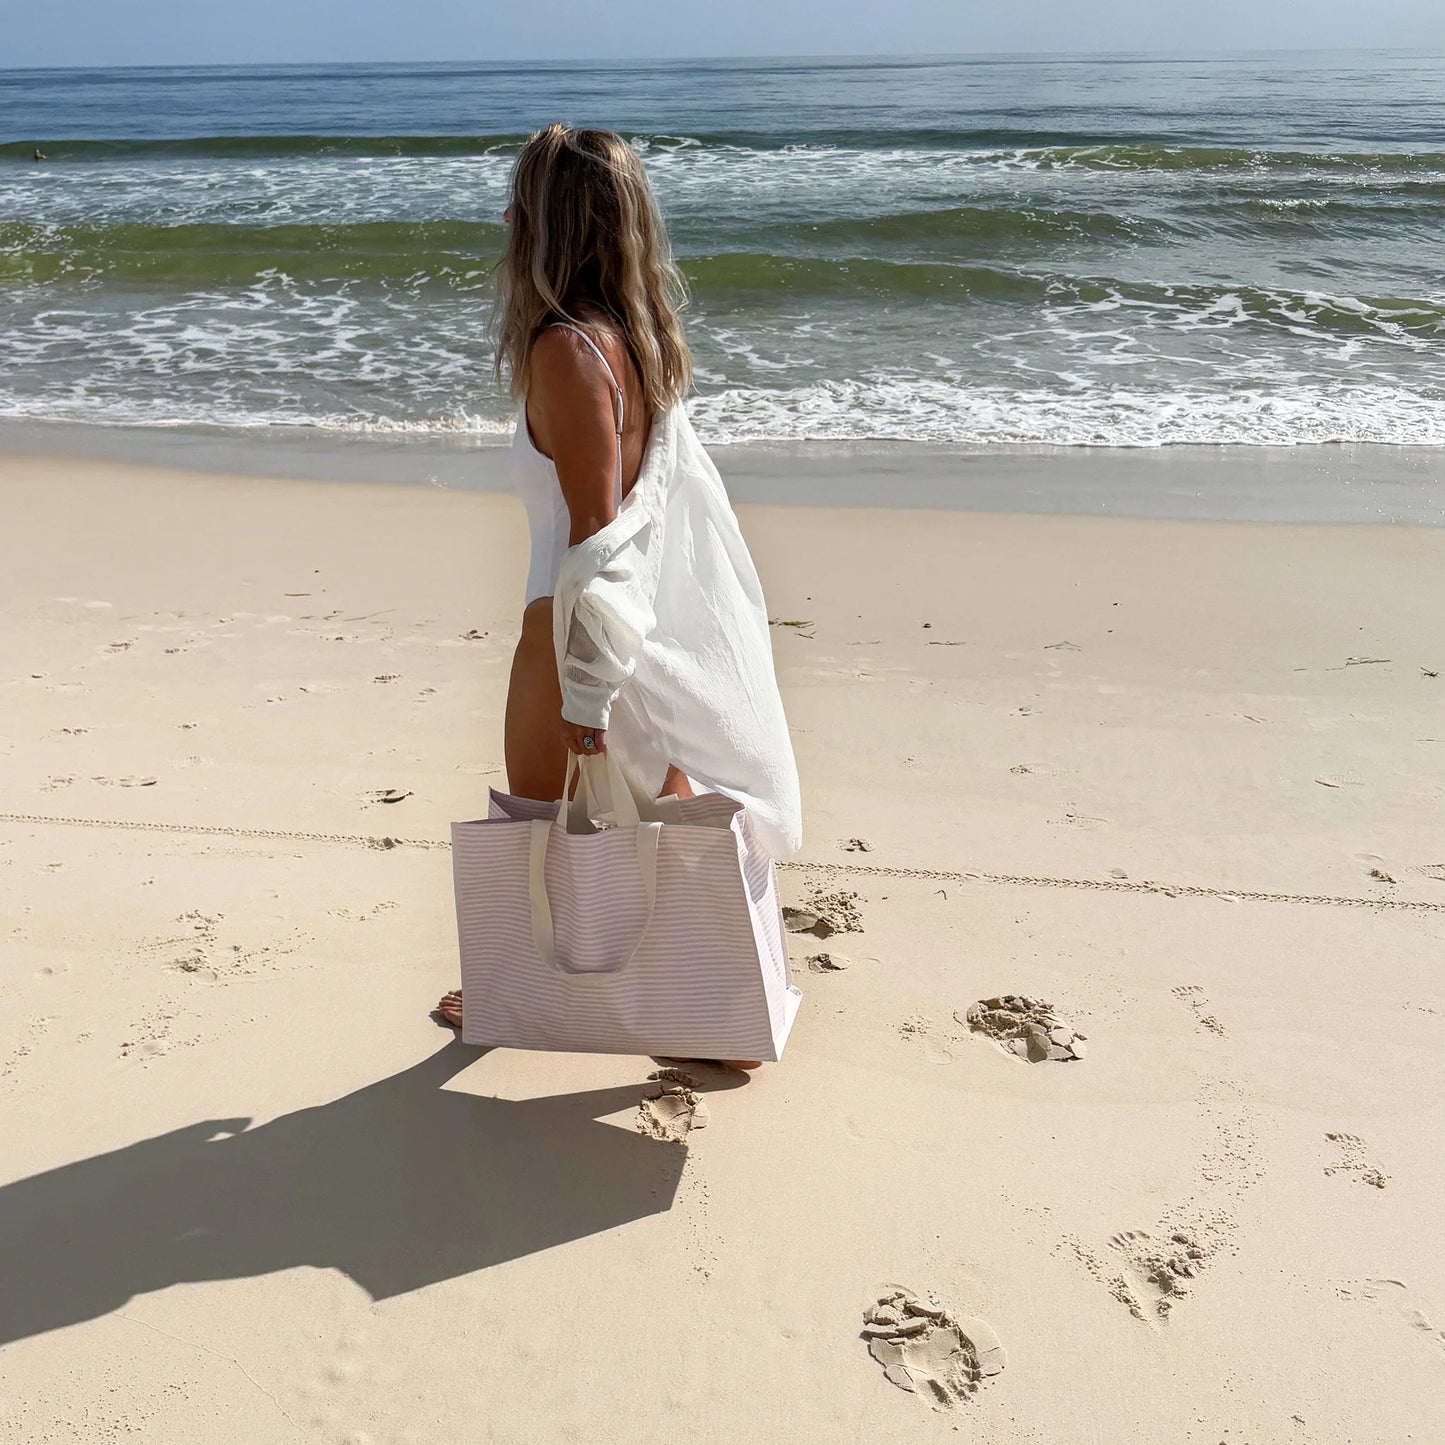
column 535, row 753
column 536, row 756
column 676, row 785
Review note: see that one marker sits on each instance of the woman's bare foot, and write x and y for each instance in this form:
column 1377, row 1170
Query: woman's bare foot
column 745, row 1065
column 449, row 1009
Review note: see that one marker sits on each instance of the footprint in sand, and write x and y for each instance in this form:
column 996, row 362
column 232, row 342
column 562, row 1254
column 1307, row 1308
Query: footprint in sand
column 1353, row 1161
column 198, row 949
column 14, row 1062
column 918, row 1030
column 929, row 1351
column 1026, row 1027
column 672, row 1108
column 801, row 920
column 1161, row 1264
column 825, row 914
column 152, row 1035
column 1194, row 996
column 355, row 916
column 1162, row 1269
column 839, row 908
column 126, row 782
column 1397, row 1295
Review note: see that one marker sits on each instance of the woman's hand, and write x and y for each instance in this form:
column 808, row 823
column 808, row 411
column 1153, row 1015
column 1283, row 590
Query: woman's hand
column 577, row 739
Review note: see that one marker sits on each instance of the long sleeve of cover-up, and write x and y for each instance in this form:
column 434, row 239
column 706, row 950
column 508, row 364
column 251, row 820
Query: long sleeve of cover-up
column 602, row 615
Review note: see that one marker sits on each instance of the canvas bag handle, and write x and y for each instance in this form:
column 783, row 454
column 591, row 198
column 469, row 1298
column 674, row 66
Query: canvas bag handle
column 605, row 788
column 575, row 815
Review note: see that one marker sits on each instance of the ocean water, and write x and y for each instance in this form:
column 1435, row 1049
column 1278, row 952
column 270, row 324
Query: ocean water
column 1122, row 250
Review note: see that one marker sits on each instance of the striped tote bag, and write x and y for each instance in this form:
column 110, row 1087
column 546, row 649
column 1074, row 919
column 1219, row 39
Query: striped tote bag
column 620, row 924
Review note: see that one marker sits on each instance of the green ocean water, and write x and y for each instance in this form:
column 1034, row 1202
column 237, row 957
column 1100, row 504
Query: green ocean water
column 1112, row 250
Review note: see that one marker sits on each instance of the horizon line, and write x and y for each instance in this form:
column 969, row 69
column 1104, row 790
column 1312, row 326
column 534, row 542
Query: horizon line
column 595, row 63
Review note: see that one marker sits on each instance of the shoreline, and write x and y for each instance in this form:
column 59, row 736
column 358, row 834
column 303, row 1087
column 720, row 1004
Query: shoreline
column 1309, row 483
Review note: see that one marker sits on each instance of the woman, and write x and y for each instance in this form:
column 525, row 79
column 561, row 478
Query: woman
column 643, row 631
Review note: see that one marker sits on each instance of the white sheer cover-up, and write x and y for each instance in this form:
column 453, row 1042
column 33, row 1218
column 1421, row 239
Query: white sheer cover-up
column 662, row 639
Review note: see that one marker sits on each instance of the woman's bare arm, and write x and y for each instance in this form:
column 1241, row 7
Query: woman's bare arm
column 570, row 410
column 570, row 405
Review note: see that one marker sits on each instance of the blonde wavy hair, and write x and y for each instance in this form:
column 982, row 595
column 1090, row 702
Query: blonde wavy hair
column 587, row 241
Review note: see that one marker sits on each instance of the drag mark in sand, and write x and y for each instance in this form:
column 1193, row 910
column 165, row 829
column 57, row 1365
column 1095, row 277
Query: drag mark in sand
column 216, row 1354
column 927, row 1350
column 670, row 1110
column 1073, row 819
column 1116, row 883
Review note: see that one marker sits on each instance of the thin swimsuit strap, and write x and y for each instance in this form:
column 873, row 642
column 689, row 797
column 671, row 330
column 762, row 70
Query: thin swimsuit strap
column 617, row 389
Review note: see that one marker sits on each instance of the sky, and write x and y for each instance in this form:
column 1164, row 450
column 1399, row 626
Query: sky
column 226, row 32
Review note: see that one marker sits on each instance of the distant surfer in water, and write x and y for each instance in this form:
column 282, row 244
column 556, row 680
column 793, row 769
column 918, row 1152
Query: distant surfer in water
column 38, row 154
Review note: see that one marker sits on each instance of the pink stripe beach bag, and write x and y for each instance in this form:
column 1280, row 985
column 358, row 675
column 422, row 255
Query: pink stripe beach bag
column 621, row 924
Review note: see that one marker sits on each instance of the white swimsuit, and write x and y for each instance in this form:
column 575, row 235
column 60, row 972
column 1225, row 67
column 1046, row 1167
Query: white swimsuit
column 534, row 477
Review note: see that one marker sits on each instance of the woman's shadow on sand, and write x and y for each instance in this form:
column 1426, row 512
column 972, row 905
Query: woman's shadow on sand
column 398, row 1185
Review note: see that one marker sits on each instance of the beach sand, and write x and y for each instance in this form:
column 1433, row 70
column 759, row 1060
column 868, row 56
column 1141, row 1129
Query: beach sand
column 1181, row 780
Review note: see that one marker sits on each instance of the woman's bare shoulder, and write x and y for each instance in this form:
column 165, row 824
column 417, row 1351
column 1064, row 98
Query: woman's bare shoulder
column 567, row 386
column 566, row 367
